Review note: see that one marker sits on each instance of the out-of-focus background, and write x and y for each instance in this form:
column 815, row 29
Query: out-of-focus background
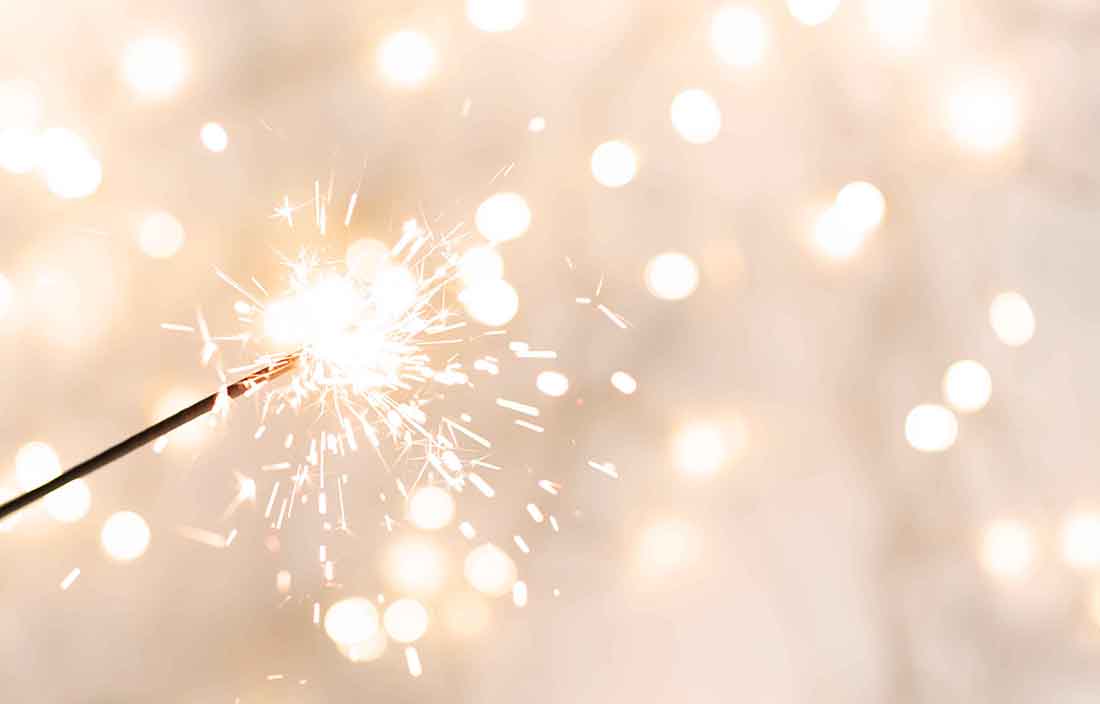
column 855, row 241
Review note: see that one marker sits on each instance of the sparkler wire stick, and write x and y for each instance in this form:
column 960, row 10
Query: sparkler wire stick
column 195, row 410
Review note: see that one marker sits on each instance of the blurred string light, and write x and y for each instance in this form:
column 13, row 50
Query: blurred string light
column 7, row 296
column 739, row 36
column 1080, row 540
column 415, row 566
column 465, row 615
column 703, row 447
column 67, row 164
column 431, row 508
column 351, row 621
column 214, row 137
column 406, row 620
column 35, row 464
column 160, row 235
column 614, row 164
column 70, row 503
column 407, row 58
column 812, row 12
column 1012, row 319
column 125, row 536
column 154, row 67
column 552, row 383
column 624, row 383
column 667, row 546
column 899, row 26
column 931, row 428
column 1008, row 549
column 967, row 386
column 671, row 276
column 496, row 15
column 502, row 217
column 842, row 229
column 983, row 112
column 696, row 116
column 490, row 570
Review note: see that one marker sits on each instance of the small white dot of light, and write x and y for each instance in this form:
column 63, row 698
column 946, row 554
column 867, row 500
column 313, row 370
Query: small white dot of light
column 739, row 36
column 1080, row 541
column 496, row 15
column 366, row 651
column 552, row 383
column 415, row 566
column 614, row 164
column 70, row 169
column 35, row 464
column 364, row 257
column 701, row 448
column 431, row 508
column 931, row 428
column 983, row 113
column 812, row 12
column 624, row 382
column 1012, row 319
column 214, row 137
column 1008, row 549
column 519, row 594
column 696, row 116
column 668, row 546
column 407, row 58
column 283, row 581
column 834, row 236
column 70, row 503
column 20, row 104
column 967, row 386
column 493, row 303
column 466, row 615
column 502, row 217
column 155, row 67
column 406, row 620
column 860, row 205
column 671, row 276
column 490, row 570
column 537, row 124
column 352, row 620
column 898, row 25
column 160, row 235
column 480, row 264
column 125, row 536
column 187, row 436
column 19, row 148
column 7, row 296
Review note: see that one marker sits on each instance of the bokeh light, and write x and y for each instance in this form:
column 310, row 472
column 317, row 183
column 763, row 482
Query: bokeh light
column 983, row 113
column 1012, row 319
column 812, row 12
column 496, row 15
column 624, row 383
column 671, row 276
column 367, row 650
column 431, row 508
column 20, row 104
column 739, row 36
column 415, row 565
column 125, row 536
column 352, row 620
column 160, row 235
column 614, row 164
column 406, row 620
column 696, row 116
column 214, row 137
column 702, row 447
column 155, row 67
column 480, row 264
column 186, row 437
column 35, row 464
column 67, row 164
column 898, row 25
column 466, row 615
column 930, row 427
column 70, row 503
column 1008, row 549
column 1080, row 540
column 668, row 546
column 407, row 58
column 860, row 206
column 493, row 302
column 552, row 383
column 967, row 386
column 365, row 257
column 490, row 570
column 19, row 150
column 502, row 217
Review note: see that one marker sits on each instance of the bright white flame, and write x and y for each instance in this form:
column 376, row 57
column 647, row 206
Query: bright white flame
column 480, row 264
column 155, row 67
column 812, row 12
column 7, row 296
column 70, row 168
column 671, row 276
column 931, row 428
column 490, row 570
column 70, row 503
column 491, row 302
column 502, row 217
column 696, row 116
column 624, row 382
column 701, row 448
column 35, row 464
column 20, row 104
column 739, row 36
column 125, row 536
column 160, row 235
column 614, row 164
column 1012, row 319
column 406, row 620
column 496, row 15
column 898, row 25
column 667, row 546
column 431, row 508
column 1008, row 549
column 350, row 621
column 861, row 206
column 552, row 383
column 1080, row 541
column 214, row 137
column 415, row 566
column 19, row 149
column 983, row 113
column 967, row 385
column 407, row 58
